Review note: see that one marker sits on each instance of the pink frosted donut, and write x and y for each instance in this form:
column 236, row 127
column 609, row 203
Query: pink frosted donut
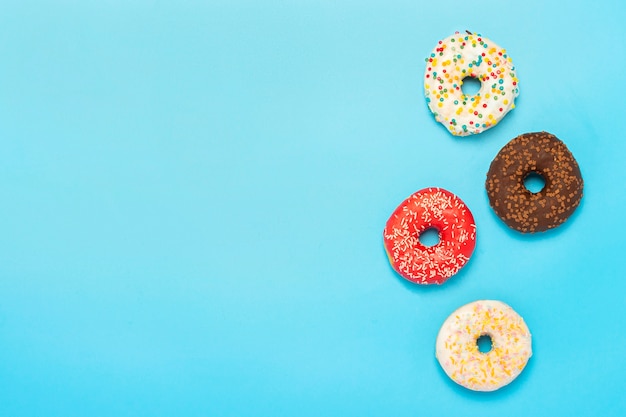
column 457, row 348
column 430, row 208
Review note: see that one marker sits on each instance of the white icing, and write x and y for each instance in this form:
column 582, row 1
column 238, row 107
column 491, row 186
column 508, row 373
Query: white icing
column 469, row 55
column 458, row 353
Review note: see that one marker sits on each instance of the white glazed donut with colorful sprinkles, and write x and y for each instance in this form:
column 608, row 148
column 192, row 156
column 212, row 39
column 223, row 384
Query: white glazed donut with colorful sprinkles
column 469, row 55
column 457, row 348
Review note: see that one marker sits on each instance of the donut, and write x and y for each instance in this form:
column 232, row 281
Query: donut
column 469, row 55
column 430, row 208
column 457, row 345
column 534, row 153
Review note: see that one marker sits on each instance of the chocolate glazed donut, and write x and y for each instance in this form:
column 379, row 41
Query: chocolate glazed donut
column 538, row 153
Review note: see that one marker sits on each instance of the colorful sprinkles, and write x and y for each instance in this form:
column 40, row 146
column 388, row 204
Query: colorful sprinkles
column 460, row 357
column 469, row 55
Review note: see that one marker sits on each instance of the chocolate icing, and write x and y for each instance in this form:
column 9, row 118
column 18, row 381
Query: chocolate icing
column 527, row 212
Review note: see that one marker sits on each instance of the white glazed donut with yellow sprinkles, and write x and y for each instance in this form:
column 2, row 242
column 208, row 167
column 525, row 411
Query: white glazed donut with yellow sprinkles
column 460, row 357
column 469, row 55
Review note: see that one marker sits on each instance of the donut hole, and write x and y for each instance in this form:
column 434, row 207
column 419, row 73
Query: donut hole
column 534, row 182
column 484, row 343
column 470, row 86
column 430, row 237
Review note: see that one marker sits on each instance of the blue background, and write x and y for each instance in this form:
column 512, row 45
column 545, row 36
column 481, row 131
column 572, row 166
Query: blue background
column 194, row 193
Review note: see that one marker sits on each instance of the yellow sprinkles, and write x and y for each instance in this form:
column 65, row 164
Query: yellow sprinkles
column 460, row 357
column 469, row 55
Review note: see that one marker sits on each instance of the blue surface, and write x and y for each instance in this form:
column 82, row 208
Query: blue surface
column 193, row 198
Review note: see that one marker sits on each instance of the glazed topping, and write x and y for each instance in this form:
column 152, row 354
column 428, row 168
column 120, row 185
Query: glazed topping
column 469, row 55
column 543, row 154
column 460, row 357
column 432, row 207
